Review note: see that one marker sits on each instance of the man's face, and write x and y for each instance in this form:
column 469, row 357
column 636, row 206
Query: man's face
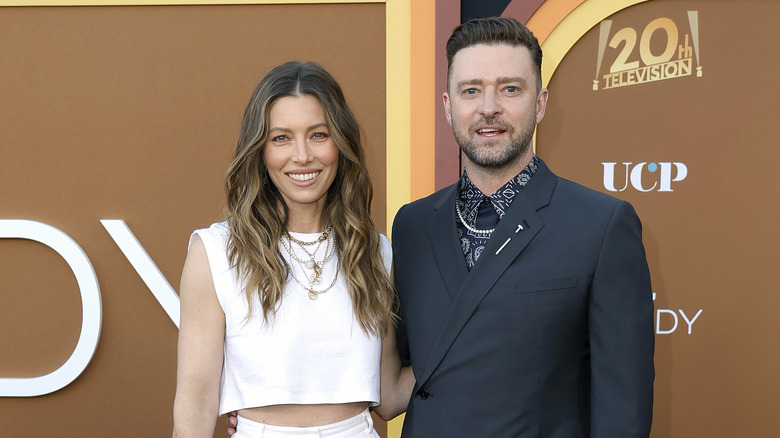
column 493, row 105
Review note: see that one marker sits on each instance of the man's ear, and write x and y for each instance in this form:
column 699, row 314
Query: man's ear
column 445, row 98
column 541, row 104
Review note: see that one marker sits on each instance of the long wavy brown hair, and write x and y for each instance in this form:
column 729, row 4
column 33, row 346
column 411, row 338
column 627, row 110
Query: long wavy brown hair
column 258, row 216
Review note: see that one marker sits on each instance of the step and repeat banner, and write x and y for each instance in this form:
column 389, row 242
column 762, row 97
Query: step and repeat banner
column 672, row 105
column 117, row 123
column 116, row 126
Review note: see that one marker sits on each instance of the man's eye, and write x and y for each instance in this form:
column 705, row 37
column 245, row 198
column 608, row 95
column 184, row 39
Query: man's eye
column 470, row 91
column 512, row 89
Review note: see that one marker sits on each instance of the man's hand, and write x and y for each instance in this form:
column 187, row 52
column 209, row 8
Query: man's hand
column 232, row 422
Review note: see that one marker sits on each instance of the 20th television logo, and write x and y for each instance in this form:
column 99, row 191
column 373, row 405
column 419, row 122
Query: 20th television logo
column 675, row 60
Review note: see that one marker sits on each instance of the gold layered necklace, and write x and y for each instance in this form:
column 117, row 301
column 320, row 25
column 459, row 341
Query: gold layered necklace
column 310, row 262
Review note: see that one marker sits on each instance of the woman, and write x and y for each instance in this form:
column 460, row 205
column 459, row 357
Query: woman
column 287, row 306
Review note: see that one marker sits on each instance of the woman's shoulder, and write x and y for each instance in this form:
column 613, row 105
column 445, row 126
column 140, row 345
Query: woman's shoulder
column 217, row 228
column 216, row 234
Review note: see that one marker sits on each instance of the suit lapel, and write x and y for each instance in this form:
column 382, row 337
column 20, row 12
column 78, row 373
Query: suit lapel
column 445, row 244
column 507, row 241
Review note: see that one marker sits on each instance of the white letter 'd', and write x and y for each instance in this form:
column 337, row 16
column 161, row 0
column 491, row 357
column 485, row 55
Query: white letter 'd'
column 658, row 322
column 92, row 310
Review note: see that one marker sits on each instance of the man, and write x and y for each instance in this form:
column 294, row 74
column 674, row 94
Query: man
column 525, row 298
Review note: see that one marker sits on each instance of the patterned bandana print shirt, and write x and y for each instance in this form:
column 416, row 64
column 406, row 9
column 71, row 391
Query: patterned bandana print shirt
column 470, row 197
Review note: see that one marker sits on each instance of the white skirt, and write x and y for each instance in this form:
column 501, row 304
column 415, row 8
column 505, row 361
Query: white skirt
column 359, row 426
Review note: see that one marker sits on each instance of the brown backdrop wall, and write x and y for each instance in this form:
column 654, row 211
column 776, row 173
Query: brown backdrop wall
column 132, row 113
column 711, row 238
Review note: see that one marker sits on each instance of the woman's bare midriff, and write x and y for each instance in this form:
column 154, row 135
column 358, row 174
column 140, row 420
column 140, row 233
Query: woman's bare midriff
column 303, row 415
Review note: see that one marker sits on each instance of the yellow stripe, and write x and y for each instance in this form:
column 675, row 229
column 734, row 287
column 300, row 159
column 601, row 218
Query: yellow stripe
column 399, row 118
column 398, row 95
column 395, row 426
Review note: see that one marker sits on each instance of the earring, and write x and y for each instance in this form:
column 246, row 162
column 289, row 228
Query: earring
column 265, row 175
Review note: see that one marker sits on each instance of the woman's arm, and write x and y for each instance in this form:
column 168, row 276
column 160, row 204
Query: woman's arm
column 200, row 353
column 396, row 383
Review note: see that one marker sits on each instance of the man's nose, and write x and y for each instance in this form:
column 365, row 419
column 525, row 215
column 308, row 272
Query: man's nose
column 490, row 104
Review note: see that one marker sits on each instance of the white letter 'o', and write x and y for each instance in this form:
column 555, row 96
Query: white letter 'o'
column 92, row 310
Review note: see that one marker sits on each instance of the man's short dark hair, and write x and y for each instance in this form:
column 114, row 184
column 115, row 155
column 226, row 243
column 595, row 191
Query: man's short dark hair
column 493, row 31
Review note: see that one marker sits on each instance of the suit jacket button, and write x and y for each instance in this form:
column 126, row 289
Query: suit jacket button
column 423, row 393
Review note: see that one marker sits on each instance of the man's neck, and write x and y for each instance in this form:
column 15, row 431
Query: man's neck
column 488, row 179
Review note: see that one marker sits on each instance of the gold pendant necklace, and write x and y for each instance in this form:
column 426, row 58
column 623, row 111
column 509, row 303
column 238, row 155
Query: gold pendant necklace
column 316, row 266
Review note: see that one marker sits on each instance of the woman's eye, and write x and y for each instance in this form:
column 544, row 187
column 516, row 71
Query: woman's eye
column 280, row 138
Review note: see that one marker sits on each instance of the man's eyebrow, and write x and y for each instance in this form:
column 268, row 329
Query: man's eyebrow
column 508, row 79
column 468, row 82
column 500, row 80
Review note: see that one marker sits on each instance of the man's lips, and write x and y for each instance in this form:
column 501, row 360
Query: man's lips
column 490, row 131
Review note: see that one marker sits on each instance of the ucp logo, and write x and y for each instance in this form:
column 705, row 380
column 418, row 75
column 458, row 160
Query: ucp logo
column 641, row 175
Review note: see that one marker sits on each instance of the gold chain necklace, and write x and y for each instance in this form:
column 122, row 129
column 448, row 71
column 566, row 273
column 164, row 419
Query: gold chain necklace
column 317, row 266
column 325, row 234
column 311, row 263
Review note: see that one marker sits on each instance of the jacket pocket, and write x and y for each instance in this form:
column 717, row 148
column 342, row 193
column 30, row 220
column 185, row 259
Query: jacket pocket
column 545, row 285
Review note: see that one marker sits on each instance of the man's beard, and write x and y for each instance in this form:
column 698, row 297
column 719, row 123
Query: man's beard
column 492, row 155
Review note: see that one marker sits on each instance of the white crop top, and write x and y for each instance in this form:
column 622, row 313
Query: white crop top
column 310, row 352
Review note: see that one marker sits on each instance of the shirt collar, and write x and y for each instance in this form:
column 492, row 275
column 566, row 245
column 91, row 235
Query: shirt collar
column 469, row 196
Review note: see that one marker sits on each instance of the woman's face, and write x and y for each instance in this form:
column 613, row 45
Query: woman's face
column 300, row 154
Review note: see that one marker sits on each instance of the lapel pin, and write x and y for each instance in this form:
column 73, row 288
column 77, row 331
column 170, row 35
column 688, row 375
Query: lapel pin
column 519, row 228
column 502, row 246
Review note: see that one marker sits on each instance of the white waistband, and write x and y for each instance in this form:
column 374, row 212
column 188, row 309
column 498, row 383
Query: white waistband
column 361, row 425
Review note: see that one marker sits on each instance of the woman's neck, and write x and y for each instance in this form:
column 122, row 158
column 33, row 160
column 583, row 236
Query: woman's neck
column 306, row 222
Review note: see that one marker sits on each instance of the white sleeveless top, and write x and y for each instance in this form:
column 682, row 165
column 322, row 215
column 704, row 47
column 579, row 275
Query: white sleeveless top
column 310, row 352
